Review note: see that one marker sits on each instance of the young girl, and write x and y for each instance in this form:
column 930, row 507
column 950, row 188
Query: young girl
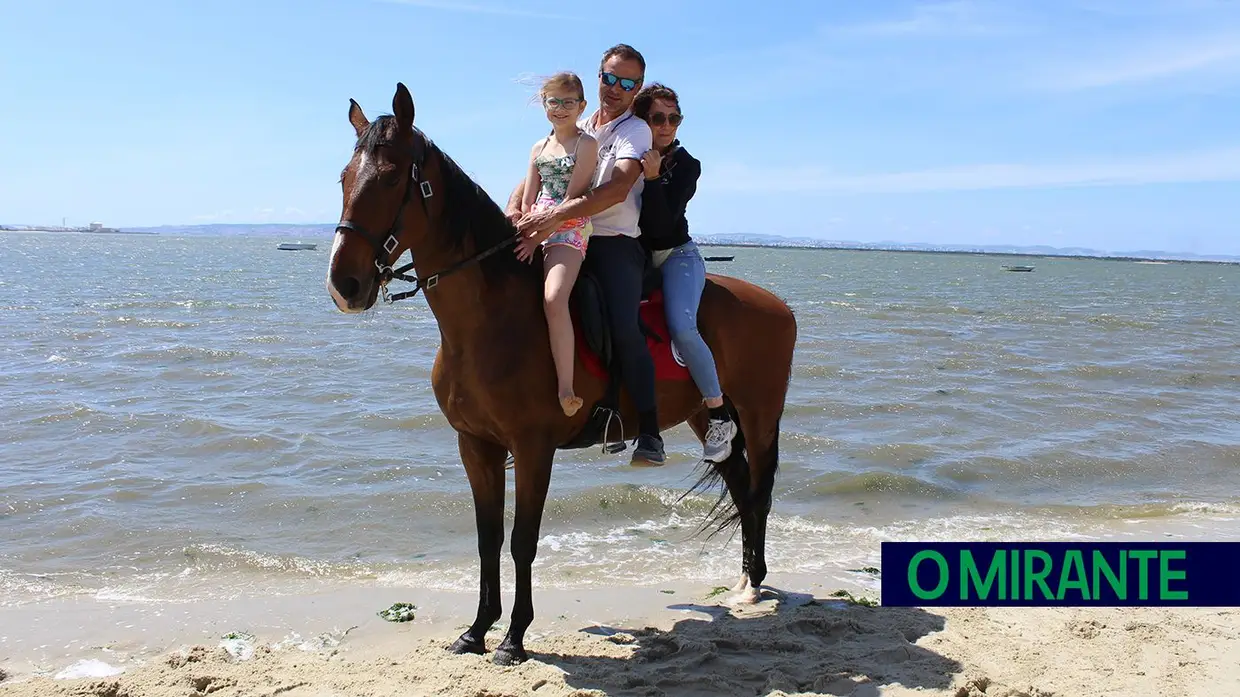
column 561, row 167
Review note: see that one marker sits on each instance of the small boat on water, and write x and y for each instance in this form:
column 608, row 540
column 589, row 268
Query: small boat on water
column 720, row 258
column 1018, row 268
column 288, row 246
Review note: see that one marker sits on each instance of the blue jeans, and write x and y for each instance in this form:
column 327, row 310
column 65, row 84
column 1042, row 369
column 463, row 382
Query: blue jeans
column 684, row 277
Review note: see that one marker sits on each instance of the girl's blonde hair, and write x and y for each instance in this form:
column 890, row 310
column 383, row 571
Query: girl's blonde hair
column 563, row 81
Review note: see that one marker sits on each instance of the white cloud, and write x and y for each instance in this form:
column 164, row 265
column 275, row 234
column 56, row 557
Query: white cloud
column 1002, row 47
column 1217, row 165
column 1155, row 8
column 1196, row 55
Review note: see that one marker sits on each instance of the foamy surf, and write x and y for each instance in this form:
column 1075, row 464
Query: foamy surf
column 88, row 668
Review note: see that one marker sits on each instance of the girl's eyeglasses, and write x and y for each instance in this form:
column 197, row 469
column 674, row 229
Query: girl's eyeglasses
column 561, row 103
column 658, row 119
column 626, row 84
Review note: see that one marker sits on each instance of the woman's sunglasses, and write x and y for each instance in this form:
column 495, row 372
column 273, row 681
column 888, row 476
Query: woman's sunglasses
column 626, row 84
column 658, row 119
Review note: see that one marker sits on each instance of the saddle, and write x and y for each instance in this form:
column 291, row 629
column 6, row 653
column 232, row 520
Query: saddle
column 589, row 307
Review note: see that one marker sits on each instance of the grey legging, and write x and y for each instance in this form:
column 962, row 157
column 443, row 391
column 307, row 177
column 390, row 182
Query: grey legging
column 619, row 262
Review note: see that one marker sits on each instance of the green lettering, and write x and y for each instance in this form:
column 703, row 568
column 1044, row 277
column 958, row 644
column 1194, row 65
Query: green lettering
column 1073, row 562
column 1165, row 574
column 1038, row 577
column 1143, row 571
column 944, row 575
column 969, row 575
column 1102, row 568
column 1015, row 559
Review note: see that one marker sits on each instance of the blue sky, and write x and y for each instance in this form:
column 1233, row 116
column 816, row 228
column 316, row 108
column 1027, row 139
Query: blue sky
column 1110, row 124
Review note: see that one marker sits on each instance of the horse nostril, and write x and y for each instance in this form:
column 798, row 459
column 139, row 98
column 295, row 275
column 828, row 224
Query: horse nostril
column 348, row 287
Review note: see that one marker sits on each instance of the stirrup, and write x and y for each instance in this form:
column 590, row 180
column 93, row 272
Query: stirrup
column 613, row 447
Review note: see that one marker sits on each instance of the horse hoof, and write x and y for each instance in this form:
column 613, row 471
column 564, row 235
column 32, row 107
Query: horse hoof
column 745, row 593
column 465, row 644
column 510, row 656
column 748, row 596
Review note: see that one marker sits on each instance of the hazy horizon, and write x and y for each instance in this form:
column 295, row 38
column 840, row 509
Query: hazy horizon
column 726, row 239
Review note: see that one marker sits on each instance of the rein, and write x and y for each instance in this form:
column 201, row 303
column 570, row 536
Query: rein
column 384, row 249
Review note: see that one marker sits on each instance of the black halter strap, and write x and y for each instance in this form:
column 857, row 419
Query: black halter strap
column 385, row 245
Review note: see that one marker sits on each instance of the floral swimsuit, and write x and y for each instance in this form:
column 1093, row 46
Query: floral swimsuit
column 556, row 173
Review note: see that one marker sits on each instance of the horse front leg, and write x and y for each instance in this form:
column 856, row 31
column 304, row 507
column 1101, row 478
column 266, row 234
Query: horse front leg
column 533, row 475
column 484, row 465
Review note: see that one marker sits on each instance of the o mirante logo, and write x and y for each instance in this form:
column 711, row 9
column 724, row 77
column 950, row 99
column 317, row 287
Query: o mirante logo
column 1060, row 574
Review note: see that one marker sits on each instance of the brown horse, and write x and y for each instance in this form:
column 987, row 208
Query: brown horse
column 494, row 377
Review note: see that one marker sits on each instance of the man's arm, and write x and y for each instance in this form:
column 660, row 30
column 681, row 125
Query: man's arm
column 623, row 176
column 513, row 211
column 629, row 150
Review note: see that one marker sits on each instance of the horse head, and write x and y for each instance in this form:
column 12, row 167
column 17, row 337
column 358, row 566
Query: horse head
column 385, row 210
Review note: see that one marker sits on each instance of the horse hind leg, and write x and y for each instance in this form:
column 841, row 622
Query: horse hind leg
column 762, row 432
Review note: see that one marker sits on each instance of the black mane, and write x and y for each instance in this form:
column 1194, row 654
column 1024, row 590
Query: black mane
column 470, row 217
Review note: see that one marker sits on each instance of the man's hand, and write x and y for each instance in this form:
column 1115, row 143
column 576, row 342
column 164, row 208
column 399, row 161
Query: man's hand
column 536, row 222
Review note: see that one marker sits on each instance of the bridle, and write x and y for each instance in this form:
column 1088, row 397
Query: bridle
column 384, row 246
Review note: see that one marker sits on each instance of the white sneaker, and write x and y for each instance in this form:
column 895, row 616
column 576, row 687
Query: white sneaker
column 719, row 435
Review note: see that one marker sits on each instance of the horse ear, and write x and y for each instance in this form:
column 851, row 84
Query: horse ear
column 402, row 107
column 357, row 118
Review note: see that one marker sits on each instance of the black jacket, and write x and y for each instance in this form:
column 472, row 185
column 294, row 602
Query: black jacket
column 662, row 221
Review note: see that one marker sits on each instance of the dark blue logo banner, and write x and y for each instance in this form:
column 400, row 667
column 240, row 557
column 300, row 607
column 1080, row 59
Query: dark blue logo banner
column 1047, row 574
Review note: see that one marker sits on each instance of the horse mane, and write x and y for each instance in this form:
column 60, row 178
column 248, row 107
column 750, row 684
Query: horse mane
column 470, row 216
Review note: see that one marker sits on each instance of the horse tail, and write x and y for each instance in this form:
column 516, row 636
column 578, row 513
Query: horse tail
column 731, row 478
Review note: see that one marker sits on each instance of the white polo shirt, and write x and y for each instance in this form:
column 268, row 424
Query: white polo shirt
column 624, row 138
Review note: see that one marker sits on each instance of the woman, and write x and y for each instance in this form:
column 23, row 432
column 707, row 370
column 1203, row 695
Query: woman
column 671, row 175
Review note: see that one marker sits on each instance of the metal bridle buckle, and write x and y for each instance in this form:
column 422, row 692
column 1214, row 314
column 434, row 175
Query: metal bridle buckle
column 390, row 244
column 426, row 189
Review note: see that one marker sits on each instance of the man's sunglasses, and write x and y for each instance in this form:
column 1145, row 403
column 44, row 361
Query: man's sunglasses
column 659, row 119
column 626, row 84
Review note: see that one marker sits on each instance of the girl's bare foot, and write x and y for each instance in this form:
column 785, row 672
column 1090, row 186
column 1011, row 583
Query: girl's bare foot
column 570, row 403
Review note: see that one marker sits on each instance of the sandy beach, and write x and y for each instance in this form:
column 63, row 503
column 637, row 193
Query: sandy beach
column 648, row 641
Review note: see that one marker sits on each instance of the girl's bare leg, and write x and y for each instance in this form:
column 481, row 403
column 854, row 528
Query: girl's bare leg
column 560, row 268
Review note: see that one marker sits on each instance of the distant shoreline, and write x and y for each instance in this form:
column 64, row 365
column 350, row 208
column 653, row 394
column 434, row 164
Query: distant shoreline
column 1027, row 255
column 280, row 230
column 84, row 231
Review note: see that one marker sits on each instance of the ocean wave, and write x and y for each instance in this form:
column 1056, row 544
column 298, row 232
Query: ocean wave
column 847, row 484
